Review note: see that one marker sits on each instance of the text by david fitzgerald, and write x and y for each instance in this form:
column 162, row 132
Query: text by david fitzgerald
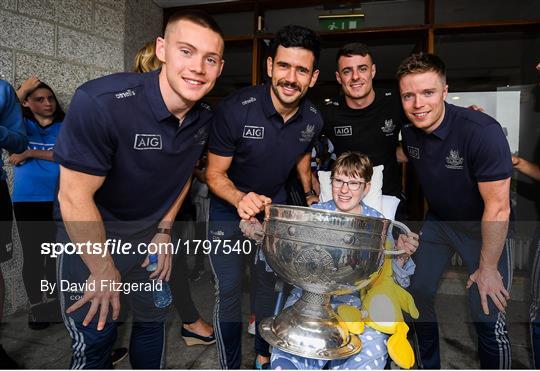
column 103, row 285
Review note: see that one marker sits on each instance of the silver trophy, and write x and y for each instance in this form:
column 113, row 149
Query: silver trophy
column 325, row 253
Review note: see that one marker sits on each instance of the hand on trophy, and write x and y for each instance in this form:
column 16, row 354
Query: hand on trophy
column 408, row 243
column 252, row 228
column 251, row 204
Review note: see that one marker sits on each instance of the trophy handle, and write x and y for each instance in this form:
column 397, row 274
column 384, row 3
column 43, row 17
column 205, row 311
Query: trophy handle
column 405, row 229
column 260, row 235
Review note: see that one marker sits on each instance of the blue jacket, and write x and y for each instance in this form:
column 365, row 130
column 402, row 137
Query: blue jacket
column 12, row 129
column 36, row 180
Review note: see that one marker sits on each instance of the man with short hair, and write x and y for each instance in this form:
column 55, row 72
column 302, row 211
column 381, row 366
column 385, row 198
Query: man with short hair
column 363, row 118
column 463, row 162
column 127, row 151
column 258, row 135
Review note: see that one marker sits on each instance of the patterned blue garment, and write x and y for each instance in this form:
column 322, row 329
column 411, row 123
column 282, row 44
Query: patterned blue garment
column 36, row 180
column 373, row 354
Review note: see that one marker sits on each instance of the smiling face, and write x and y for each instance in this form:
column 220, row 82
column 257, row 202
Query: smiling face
column 355, row 75
column 42, row 103
column 348, row 200
column 292, row 73
column 192, row 57
column 422, row 97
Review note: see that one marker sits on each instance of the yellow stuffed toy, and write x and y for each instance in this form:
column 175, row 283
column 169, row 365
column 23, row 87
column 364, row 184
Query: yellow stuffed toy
column 382, row 305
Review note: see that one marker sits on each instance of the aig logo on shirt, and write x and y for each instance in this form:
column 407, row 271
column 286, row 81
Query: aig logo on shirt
column 414, row 152
column 253, row 132
column 147, row 141
column 343, row 131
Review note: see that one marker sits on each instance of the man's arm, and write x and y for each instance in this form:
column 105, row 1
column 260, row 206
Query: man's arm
column 12, row 129
column 84, row 223
column 303, row 167
column 400, row 154
column 247, row 204
column 161, row 238
column 526, row 167
column 496, row 196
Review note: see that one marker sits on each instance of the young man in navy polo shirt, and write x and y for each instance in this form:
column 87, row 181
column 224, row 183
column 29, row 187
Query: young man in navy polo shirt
column 258, row 135
column 463, row 162
column 127, row 150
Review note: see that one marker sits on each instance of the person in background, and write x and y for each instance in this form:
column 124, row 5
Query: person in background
column 200, row 196
column 34, row 189
column 145, row 59
column 12, row 139
column 533, row 170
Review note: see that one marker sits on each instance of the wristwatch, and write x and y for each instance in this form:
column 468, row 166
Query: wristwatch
column 311, row 192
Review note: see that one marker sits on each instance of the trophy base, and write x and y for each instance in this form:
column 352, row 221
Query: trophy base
column 310, row 328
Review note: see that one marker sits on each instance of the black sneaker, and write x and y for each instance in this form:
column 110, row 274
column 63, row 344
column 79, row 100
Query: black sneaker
column 6, row 362
column 118, row 354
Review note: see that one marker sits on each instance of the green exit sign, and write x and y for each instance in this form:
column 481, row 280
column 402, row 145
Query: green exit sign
column 341, row 22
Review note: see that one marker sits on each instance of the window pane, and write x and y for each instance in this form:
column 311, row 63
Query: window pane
column 448, row 11
column 237, row 70
column 235, row 24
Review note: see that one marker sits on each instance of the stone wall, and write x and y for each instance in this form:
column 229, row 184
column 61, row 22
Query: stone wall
column 141, row 26
column 65, row 43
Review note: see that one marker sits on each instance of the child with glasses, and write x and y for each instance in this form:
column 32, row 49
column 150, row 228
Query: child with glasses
column 351, row 176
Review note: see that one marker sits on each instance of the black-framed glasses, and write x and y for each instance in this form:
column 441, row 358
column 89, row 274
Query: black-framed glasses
column 353, row 185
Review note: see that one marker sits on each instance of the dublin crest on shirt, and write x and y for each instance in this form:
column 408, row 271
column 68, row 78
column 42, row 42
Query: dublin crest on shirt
column 388, row 127
column 201, row 136
column 454, row 160
column 307, row 134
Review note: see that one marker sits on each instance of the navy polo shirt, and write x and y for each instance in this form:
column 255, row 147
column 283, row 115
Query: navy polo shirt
column 467, row 148
column 119, row 127
column 247, row 127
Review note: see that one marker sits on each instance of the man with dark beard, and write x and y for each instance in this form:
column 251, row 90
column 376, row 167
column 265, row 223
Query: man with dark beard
column 258, row 135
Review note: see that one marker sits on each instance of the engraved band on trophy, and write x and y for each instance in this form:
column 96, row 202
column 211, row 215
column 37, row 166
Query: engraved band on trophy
column 325, row 253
